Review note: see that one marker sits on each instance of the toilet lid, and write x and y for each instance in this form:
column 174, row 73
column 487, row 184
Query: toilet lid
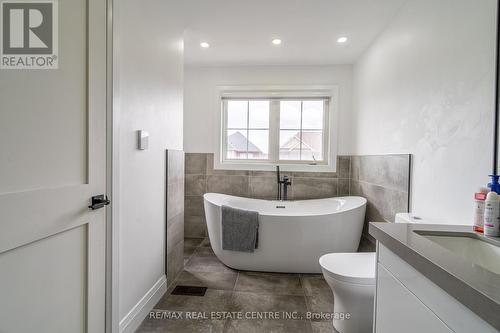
column 350, row 267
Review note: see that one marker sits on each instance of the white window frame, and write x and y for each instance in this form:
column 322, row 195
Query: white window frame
column 330, row 129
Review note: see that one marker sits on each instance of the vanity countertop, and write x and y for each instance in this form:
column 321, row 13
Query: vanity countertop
column 472, row 285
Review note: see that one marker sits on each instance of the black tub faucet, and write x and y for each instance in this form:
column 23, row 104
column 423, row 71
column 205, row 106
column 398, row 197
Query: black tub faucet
column 283, row 184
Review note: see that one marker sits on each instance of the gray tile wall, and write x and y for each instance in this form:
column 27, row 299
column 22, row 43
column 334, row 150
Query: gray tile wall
column 175, row 214
column 383, row 180
column 201, row 178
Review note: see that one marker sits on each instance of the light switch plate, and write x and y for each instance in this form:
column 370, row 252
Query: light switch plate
column 142, row 140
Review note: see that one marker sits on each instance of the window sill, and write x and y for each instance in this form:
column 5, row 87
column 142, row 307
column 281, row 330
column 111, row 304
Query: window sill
column 272, row 167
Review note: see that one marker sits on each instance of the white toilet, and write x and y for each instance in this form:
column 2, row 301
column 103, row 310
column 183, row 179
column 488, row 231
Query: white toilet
column 351, row 276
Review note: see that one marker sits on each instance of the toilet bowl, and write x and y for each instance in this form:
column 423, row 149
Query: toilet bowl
column 351, row 276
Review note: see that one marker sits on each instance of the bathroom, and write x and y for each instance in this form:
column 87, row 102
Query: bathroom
column 257, row 166
column 400, row 97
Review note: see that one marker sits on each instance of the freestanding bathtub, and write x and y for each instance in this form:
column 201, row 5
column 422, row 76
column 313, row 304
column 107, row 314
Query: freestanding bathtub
column 292, row 234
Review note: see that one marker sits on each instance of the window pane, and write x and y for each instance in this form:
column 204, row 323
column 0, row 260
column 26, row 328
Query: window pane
column 236, row 145
column 312, row 115
column 289, row 145
column 258, row 144
column 301, row 127
column 237, row 114
column 259, row 114
column 290, row 115
column 312, row 146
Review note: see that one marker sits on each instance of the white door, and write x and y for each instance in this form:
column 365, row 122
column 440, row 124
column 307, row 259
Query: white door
column 52, row 161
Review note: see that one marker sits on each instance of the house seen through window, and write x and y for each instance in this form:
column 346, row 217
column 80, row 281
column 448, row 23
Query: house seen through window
column 275, row 130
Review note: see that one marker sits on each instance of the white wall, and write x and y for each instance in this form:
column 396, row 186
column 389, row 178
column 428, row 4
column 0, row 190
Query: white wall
column 425, row 87
column 148, row 95
column 200, row 111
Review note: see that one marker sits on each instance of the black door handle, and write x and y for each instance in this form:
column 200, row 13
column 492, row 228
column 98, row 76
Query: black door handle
column 99, row 201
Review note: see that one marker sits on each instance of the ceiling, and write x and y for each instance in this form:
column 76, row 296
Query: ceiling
column 240, row 31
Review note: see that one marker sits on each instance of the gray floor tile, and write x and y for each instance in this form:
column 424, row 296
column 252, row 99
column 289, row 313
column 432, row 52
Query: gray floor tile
column 199, row 263
column 212, row 280
column 204, row 260
column 314, row 285
column 151, row 326
column 365, row 245
column 269, row 283
column 231, row 290
column 188, row 251
column 244, row 301
column 319, row 295
column 268, row 326
column 192, row 242
column 206, row 242
column 323, row 327
column 204, row 251
column 320, row 303
column 181, row 326
column 214, row 300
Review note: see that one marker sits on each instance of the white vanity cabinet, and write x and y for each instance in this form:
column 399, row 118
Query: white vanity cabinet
column 407, row 301
column 398, row 310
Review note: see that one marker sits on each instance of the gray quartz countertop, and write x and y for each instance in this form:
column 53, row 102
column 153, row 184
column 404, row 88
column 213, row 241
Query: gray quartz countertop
column 471, row 284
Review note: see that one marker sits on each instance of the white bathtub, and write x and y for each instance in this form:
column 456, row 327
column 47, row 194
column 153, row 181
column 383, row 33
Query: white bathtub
column 291, row 239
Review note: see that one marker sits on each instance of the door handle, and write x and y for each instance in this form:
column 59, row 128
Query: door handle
column 99, row 201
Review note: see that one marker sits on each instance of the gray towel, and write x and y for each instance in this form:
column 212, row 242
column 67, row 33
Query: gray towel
column 239, row 229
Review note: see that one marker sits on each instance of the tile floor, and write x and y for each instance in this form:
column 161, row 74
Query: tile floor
column 237, row 291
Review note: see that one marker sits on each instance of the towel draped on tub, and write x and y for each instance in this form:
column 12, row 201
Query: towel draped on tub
column 240, row 229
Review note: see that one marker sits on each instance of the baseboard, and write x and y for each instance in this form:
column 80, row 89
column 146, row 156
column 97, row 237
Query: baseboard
column 134, row 318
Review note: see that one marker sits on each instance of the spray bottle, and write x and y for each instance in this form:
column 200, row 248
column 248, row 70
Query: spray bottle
column 492, row 215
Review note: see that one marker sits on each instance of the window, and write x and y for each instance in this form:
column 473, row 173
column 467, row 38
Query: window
column 301, row 130
column 274, row 130
column 247, row 133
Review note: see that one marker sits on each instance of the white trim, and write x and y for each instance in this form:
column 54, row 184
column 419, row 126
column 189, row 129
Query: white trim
column 113, row 176
column 112, row 180
column 136, row 315
column 278, row 91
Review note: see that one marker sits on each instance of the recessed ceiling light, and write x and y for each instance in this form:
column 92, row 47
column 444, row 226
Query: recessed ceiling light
column 342, row 40
column 204, row 45
column 276, row 41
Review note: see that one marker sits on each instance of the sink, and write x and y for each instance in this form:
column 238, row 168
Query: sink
column 478, row 249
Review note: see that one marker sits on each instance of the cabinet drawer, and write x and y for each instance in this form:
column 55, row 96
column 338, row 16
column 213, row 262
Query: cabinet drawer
column 398, row 310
